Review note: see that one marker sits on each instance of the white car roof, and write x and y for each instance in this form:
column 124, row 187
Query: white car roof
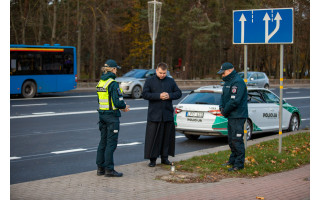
column 218, row 88
column 212, row 88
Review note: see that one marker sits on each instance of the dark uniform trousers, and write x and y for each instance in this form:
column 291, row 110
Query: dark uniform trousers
column 235, row 140
column 108, row 143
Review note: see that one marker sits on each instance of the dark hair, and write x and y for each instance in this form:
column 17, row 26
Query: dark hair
column 163, row 66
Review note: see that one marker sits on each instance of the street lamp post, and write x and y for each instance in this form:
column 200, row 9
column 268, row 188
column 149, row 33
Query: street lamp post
column 154, row 13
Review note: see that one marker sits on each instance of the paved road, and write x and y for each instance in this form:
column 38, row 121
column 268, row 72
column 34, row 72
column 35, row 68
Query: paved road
column 57, row 134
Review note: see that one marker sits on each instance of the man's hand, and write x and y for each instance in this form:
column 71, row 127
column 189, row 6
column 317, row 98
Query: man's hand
column 164, row 96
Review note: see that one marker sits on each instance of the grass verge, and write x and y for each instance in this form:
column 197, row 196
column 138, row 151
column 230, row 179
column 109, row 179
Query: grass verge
column 261, row 159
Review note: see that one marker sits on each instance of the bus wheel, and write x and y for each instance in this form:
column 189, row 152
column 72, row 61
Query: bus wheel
column 29, row 89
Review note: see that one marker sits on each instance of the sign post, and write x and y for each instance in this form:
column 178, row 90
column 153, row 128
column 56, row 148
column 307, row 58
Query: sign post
column 281, row 97
column 246, row 82
column 264, row 26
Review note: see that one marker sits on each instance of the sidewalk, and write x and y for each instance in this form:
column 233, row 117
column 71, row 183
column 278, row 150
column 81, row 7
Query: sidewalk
column 139, row 182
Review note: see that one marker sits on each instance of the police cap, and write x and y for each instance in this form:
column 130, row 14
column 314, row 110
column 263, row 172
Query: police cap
column 225, row 66
column 112, row 63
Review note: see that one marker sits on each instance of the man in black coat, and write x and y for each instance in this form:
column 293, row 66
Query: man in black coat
column 160, row 90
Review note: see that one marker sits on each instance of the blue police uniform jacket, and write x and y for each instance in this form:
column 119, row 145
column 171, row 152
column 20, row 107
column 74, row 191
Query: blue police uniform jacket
column 233, row 103
column 160, row 110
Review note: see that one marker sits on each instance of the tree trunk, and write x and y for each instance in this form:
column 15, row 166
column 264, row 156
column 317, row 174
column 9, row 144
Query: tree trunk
column 42, row 7
column 93, row 44
column 24, row 16
column 53, row 36
column 79, row 21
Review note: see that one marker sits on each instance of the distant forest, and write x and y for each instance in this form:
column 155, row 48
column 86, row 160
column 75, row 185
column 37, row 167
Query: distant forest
column 195, row 33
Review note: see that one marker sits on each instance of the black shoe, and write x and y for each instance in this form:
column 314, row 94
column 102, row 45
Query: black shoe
column 227, row 164
column 233, row 169
column 113, row 173
column 152, row 163
column 166, row 162
column 101, row 171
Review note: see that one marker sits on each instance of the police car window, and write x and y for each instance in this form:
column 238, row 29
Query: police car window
column 202, row 98
column 269, row 97
column 255, row 97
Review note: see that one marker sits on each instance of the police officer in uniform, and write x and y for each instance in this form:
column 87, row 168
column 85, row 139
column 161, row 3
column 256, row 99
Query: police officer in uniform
column 110, row 101
column 234, row 107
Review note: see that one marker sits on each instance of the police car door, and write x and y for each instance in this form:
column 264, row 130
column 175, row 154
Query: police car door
column 256, row 108
column 273, row 108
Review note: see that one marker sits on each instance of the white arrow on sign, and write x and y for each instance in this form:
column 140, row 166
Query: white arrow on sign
column 266, row 19
column 242, row 20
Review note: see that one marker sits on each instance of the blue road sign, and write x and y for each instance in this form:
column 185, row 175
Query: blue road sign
column 263, row 26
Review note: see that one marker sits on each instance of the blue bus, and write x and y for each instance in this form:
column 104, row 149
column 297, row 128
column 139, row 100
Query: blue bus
column 39, row 69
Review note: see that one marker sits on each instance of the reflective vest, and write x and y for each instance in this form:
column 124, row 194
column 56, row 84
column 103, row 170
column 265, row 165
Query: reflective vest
column 103, row 94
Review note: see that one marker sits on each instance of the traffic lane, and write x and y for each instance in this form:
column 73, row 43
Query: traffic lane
column 67, row 132
column 64, row 122
column 41, row 167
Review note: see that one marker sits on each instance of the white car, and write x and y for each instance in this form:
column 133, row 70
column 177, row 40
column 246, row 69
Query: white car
column 133, row 81
column 198, row 113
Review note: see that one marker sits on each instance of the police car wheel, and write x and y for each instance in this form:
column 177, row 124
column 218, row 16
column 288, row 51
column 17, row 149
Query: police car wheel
column 266, row 86
column 294, row 122
column 192, row 137
column 249, row 129
column 136, row 92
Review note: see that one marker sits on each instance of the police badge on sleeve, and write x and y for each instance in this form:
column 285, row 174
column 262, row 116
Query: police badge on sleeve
column 234, row 89
column 119, row 92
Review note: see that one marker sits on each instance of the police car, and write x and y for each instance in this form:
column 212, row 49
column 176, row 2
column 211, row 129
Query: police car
column 198, row 113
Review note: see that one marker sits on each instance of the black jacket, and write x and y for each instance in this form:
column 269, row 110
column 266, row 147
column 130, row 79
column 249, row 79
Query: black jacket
column 233, row 103
column 160, row 110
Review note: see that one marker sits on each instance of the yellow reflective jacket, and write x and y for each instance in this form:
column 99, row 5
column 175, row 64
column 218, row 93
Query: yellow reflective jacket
column 104, row 96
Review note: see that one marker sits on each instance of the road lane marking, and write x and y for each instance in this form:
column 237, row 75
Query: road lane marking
column 48, row 114
column 294, row 98
column 129, row 144
column 53, row 114
column 132, row 123
column 15, row 158
column 305, row 119
column 26, row 105
column 292, row 92
column 68, row 151
column 43, row 113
